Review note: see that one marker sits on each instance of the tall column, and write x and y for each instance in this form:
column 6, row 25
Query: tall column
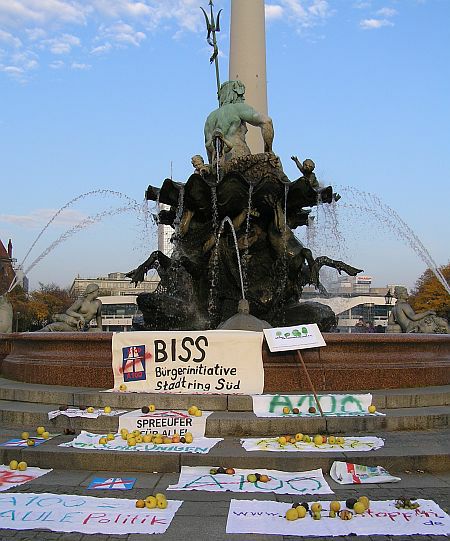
column 248, row 59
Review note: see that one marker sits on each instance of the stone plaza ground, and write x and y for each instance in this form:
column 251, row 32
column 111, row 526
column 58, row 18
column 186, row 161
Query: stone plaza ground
column 415, row 430
column 203, row 515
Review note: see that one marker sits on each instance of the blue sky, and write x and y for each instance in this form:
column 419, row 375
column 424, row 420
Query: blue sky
column 113, row 94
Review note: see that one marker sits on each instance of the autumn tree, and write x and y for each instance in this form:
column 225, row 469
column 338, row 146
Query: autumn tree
column 429, row 293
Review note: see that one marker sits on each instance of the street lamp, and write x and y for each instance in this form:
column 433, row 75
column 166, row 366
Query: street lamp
column 388, row 297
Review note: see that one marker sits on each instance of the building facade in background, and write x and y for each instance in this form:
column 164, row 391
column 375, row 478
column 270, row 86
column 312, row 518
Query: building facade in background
column 9, row 269
column 116, row 284
column 358, row 306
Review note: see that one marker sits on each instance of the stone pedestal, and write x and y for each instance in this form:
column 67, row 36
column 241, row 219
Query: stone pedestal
column 348, row 362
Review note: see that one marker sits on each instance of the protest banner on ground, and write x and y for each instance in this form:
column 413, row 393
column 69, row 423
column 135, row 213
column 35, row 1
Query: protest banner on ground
column 12, row 478
column 382, row 518
column 77, row 412
column 333, row 405
column 219, row 362
column 87, row 440
column 280, row 482
column 350, row 443
column 347, row 473
column 292, row 338
column 112, row 483
column 85, row 514
column 167, row 422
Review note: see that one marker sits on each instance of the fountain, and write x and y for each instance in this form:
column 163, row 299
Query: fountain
column 262, row 206
column 235, row 250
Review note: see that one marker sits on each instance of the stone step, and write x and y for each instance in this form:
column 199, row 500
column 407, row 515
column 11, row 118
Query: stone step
column 424, row 450
column 239, row 424
column 59, row 395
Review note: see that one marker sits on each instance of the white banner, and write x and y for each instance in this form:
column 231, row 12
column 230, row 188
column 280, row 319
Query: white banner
column 164, row 422
column 87, row 440
column 86, row 514
column 347, row 473
column 12, row 478
column 351, row 443
column 382, row 518
column 292, row 338
column 216, row 362
column 280, row 482
column 333, row 405
column 76, row 412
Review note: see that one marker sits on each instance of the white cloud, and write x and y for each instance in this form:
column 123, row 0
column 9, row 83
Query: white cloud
column 306, row 13
column 82, row 67
column 372, row 24
column 62, row 44
column 57, row 64
column 9, row 39
column 39, row 217
column 17, row 13
column 387, row 12
column 273, row 11
column 11, row 70
column 361, row 5
column 123, row 8
column 123, row 33
column 35, row 34
column 102, row 49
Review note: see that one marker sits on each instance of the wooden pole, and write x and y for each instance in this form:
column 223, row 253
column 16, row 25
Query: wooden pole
column 299, row 355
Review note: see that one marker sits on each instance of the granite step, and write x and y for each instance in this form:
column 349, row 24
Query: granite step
column 403, row 451
column 59, row 395
column 239, row 424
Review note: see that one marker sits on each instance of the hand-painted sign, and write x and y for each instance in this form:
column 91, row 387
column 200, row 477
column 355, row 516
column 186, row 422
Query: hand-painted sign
column 350, row 443
column 336, row 405
column 77, row 412
column 86, row 514
column 200, row 478
column 112, row 483
column 382, row 518
column 166, row 423
column 219, row 362
column 292, row 338
column 87, row 440
column 12, row 478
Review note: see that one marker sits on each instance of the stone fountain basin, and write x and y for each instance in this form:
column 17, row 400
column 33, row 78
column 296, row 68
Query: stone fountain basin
column 348, row 362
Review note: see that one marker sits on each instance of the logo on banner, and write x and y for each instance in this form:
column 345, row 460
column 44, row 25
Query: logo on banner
column 133, row 363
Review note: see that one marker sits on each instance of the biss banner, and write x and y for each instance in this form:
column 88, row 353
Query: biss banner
column 216, row 362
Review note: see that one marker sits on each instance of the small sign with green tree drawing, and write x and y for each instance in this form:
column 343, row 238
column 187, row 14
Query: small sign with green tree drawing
column 292, row 338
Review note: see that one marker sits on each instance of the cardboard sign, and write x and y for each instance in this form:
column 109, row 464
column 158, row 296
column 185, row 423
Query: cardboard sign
column 382, row 518
column 111, row 483
column 166, row 423
column 18, row 442
column 216, row 362
column 292, row 338
column 86, row 514
column 299, row 483
column 333, row 405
